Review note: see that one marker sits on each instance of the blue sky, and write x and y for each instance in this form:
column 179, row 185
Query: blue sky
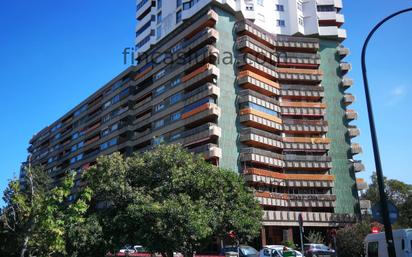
column 53, row 54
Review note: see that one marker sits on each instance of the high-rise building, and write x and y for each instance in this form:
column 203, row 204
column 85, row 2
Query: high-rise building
column 254, row 86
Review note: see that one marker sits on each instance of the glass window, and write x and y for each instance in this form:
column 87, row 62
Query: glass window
column 175, row 116
column 159, row 4
column 175, row 136
column 159, row 17
column 260, row 2
column 159, row 123
column 281, row 23
column 159, row 107
column 160, row 90
column 373, row 248
column 176, row 98
column 178, row 3
column 178, row 17
column 158, row 32
column 280, row 8
column 300, row 8
column 175, row 82
column 158, row 140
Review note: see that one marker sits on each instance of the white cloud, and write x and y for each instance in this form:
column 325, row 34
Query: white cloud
column 396, row 95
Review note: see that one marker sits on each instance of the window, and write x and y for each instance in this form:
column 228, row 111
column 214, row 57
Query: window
column 107, row 104
column 249, row 7
column 281, row 23
column 280, row 8
column 300, row 21
column 159, row 4
column 108, row 144
column 260, row 2
column 159, row 123
column 160, row 90
column 299, row 5
column 261, row 17
column 159, row 32
column 175, row 136
column 178, row 17
column 158, row 140
column 326, row 8
column 373, row 248
column 159, row 17
column 175, row 82
column 178, row 3
column 176, row 98
column 159, row 107
column 159, row 75
column 175, row 116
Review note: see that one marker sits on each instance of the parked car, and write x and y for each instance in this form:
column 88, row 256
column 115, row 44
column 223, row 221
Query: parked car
column 318, row 250
column 375, row 244
column 276, row 251
column 127, row 249
column 244, row 251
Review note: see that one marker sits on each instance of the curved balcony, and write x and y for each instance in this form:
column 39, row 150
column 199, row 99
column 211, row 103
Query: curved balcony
column 361, row 184
column 315, row 219
column 260, row 176
column 348, row 99
column 200, row 134
column 351, row 115
column 296, row 200
column 305, row 126
column 306, row 144
column 256, row 82
column 356, row 148
column 307, row 162
column 343, row 51
column 204, row 113
column 347, row 82
column 345, row 67
column 260, row 120
column 209, row 151
column 302, row 92
column 353, row 131
column 260, row 156
column 303, row 108
column 260, row 138
column 358, row 166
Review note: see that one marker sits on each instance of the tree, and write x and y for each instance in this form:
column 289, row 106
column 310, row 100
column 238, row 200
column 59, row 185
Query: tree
column 170, row 200
column 398, row 192
column 349, row 240
column 37, row 216
column 315, row 237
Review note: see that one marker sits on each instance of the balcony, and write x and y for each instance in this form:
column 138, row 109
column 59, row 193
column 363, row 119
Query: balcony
column 296, row 200
column 260, row 156
column 330, row 19
column 307, row 60
column 248, row 28
column 306, row 144
column 307, row 162
column 302, row 92
column 343, row 51
column 300, row 74
column 351, row 115
column 260, row 138
column 332, row 31
column 305, row 126
column 142, row 8
column 260, row 176
column 353, row 131
column 209, row 151
column 315, row 219
column 202, row 114
column 356, row 148
column 361, row 184
column 336, row 3
column 256, row 119
column 358, row 166
column 202, row 92
column 201, row 133
column 250, row 96
column 253, row 81
column 347, row 82
column 345, row 67
column 303, row 108
column 200, row 76
column 249, row 45
column 348, row 99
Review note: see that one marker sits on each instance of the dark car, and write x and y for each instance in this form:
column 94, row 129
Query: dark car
column 318, row 250
column 244, row 251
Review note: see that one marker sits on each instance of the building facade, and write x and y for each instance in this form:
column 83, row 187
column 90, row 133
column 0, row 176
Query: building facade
column 271, row 107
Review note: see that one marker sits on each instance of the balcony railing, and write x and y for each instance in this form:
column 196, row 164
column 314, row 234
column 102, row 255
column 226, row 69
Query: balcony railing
column 347, row 82
column 283, row 218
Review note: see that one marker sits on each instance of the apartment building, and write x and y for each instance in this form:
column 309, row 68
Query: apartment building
column 264, row 98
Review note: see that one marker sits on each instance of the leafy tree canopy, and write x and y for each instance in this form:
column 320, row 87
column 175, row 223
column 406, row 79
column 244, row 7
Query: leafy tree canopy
column 170, row 200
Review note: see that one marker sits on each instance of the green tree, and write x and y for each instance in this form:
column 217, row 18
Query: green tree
column 37, row 216
column 349, row 240
column 398, row 192
column 315, row 237
column 170, row 200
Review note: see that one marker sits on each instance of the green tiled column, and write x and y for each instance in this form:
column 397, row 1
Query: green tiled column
column 345, row 188
column 228, row 121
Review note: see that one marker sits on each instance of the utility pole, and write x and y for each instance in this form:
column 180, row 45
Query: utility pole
column 378, row 164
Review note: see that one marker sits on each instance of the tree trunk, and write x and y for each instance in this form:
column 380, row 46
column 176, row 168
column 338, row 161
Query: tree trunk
column 24, row 248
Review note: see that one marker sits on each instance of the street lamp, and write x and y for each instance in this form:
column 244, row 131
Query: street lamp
column 378, row 164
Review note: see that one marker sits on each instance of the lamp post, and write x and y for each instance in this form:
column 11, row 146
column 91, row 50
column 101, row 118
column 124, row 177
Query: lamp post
column 378, row 164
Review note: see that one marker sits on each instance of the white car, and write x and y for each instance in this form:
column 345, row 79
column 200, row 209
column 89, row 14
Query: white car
column 276, row 251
